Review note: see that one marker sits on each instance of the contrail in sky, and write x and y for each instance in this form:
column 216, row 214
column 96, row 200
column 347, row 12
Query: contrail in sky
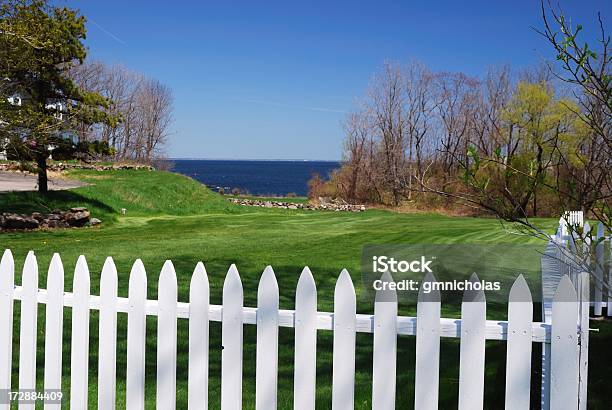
column 108, row 33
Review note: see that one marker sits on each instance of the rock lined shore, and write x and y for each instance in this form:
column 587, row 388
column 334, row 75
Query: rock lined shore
column 328, row 206
column 72, row 218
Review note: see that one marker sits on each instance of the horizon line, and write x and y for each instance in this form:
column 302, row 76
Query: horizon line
column 252, row 159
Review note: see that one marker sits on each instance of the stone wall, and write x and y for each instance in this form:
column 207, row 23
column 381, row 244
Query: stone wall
column 327, row 206
column 72, row 218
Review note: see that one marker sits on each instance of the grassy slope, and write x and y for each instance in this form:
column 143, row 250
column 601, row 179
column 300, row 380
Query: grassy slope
column 173, row 217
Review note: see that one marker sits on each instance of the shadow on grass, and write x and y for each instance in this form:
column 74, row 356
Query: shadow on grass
column 28, row 202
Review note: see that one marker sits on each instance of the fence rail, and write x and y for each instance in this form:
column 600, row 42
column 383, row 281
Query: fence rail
column 519, row 332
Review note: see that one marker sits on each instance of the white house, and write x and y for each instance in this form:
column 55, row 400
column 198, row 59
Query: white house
column 17, row 100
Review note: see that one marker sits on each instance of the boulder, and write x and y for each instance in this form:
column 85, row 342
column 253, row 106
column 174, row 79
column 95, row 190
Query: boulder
column 77, row 216
column 94, row 221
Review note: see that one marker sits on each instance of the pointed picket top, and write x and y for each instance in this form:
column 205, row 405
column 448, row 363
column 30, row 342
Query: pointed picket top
column 199, row 286
column 471, row 295
column 138, row 280
column 306, row 283
column 566, row 292
column 268, row 286
column 167, row 286
column 434, row 294
column 56, row 272
column 81, row 274
column 232, row 282
column 520, row 292
column 29, row 277
column 108, row 279
column 385, row 294
column 344, row 282
column 7, row 272
column 344, row 293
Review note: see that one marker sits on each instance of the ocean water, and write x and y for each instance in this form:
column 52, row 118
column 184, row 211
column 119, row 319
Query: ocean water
column 255, row 177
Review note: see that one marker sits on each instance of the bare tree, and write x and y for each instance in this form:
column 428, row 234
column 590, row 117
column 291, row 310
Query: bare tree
column 387, row 105
column 144, row 106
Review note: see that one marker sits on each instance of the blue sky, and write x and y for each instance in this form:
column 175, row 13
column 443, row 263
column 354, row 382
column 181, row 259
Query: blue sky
column 274, row 80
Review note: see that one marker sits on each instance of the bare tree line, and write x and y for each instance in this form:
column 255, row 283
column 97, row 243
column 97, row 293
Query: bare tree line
column 144, row 106
column 507, row 142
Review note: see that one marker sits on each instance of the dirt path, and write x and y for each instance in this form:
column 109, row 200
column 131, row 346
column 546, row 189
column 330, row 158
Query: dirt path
column 17, row 181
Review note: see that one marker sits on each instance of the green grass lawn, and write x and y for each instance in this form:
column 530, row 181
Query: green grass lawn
column 173, row 217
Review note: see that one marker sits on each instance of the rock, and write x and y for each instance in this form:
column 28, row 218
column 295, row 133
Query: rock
column 15, row 221
column 94, row 221
column 292, row 207
column 78, row 209
column 77, row 218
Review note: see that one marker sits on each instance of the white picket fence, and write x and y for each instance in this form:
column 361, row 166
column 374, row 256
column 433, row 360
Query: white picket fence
column 473, row 329
column 560, row 260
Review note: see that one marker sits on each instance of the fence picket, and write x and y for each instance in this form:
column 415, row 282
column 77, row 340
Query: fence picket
column 472, row 348
column 166, row 338
column 199, row 296
column 427, row 367
column 79, row 361
column 384, row 348
column 305, row 360
column 266, row 376
column 54, row 324
column 231, row 339
column 518, row 356
column 136, row 334
column 564, row 348
column 599, row 265
column 107, row 358
column 609, row 305
column 7, row 285
column 343, row 377
column 28, row 329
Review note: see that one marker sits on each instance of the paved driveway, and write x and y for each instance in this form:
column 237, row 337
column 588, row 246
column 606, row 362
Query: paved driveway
column 17, row 181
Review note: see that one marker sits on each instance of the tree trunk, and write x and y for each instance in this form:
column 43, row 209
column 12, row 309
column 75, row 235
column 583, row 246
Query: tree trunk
column 41, row 162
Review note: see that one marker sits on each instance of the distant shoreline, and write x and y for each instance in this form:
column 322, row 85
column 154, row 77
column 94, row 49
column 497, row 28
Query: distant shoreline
column 254, row 160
